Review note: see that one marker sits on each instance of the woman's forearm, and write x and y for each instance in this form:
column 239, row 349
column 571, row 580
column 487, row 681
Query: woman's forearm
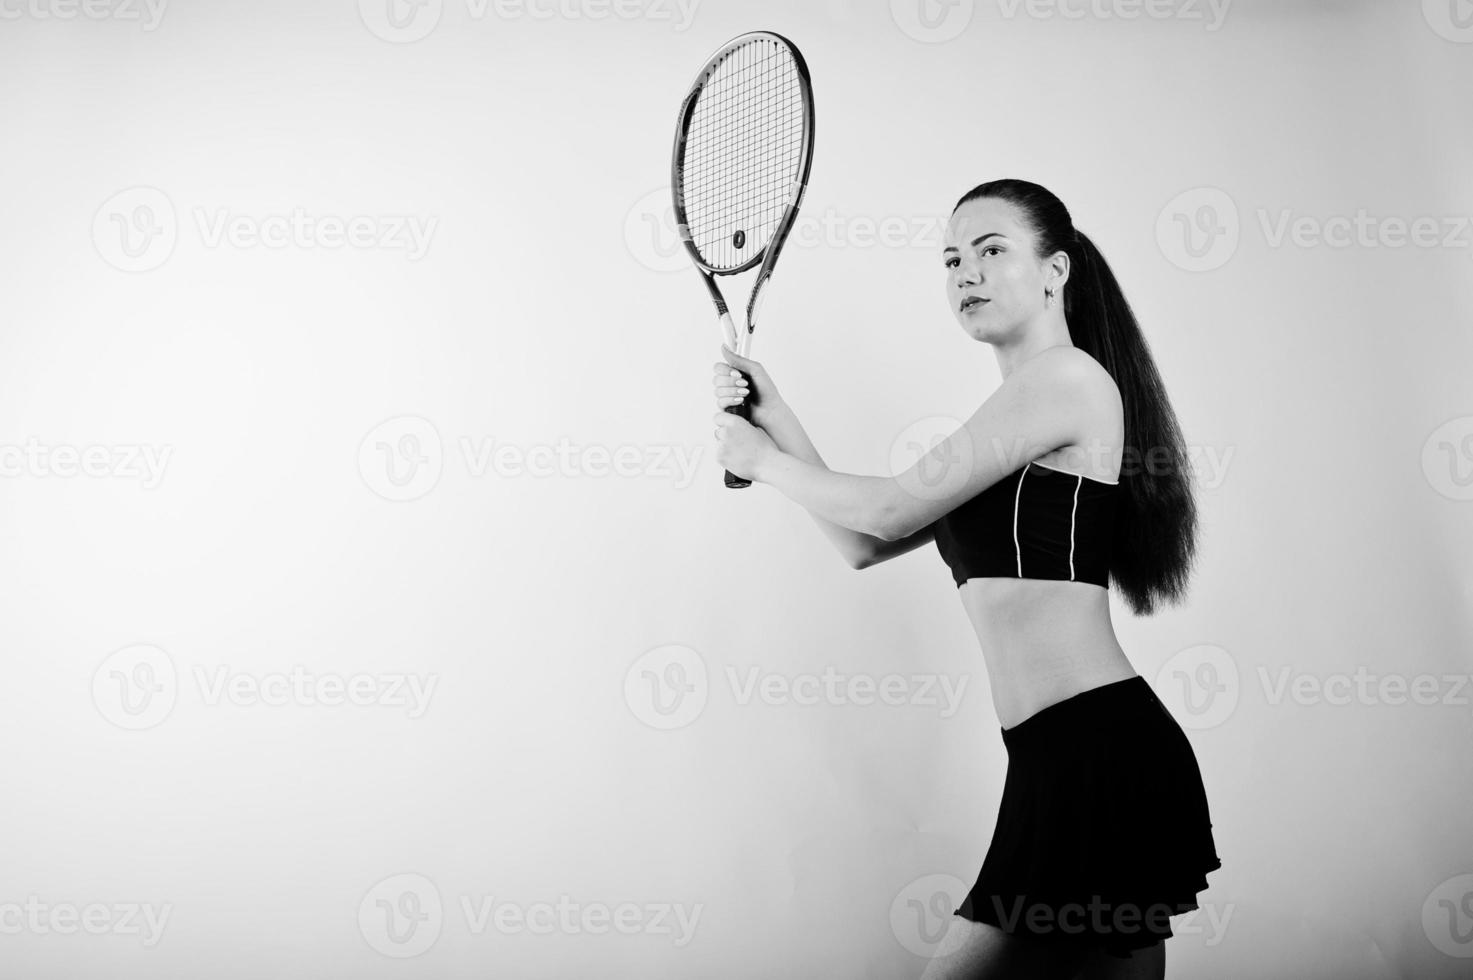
column 783, row 427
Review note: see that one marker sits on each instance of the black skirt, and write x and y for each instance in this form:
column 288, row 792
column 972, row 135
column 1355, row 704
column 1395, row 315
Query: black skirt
column 1103, row 830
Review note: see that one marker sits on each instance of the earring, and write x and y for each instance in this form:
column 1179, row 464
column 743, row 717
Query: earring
column 1048, row 295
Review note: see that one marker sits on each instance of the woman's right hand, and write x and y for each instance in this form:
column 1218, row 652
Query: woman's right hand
column 757, row 389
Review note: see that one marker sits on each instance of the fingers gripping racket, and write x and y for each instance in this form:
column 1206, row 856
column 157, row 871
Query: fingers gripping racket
column 743, row 149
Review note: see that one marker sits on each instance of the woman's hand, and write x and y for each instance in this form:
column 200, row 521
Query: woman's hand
column 757, row 389
column 741, row 447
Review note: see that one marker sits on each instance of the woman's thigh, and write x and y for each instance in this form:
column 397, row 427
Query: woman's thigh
column 978, row 951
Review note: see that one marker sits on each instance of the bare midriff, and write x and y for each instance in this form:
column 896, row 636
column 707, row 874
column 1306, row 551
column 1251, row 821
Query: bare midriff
column 1042, row 641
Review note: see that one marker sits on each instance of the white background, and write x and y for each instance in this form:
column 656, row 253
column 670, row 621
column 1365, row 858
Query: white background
column 323, row 413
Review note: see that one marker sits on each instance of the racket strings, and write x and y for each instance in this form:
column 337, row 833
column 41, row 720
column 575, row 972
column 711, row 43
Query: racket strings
column 743, row 152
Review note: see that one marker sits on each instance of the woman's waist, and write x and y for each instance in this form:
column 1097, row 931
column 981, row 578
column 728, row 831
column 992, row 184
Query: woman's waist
column 1026, row 616
column 1042, row 642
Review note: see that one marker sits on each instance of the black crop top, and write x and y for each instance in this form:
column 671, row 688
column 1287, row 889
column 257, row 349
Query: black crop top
column 1036, row 522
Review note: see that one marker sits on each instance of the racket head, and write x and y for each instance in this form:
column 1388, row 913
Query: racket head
column 743, row 152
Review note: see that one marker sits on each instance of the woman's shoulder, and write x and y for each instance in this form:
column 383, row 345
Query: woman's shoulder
column 1079, row 369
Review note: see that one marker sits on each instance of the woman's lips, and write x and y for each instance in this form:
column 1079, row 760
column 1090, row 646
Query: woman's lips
column 972, row 303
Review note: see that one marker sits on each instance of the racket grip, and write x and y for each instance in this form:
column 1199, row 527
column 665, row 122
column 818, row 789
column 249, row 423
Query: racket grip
column 734, row 482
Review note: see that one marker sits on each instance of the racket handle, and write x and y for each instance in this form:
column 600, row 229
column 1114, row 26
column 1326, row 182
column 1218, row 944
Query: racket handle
column 734, row 482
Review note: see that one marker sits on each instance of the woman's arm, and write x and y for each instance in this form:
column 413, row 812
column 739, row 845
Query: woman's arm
column 859, row 549
column 1041, row 406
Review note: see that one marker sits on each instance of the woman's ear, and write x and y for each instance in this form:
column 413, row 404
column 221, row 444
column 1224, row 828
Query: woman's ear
column 1058, row 270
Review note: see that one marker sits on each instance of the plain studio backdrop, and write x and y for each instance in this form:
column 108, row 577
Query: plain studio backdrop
column 373, row 605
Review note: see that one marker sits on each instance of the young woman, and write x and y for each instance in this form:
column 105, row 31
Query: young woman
column 1071, row 475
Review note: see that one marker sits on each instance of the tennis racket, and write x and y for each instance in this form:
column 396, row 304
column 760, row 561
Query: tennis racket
column 743, row 149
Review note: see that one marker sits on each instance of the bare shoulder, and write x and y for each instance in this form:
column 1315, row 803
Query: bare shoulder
column 1081, row 373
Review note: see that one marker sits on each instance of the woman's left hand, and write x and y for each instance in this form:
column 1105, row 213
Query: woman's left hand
column 741, row 447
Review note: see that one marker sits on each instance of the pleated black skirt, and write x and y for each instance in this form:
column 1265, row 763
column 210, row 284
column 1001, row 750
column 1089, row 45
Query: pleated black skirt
column 1103, row 830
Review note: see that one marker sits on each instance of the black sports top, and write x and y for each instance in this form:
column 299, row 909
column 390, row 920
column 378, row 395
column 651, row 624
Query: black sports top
column 1036, row 522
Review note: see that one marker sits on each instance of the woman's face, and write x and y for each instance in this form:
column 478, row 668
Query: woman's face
column 988, row 256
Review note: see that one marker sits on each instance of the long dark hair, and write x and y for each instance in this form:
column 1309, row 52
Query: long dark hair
column 1156, row 516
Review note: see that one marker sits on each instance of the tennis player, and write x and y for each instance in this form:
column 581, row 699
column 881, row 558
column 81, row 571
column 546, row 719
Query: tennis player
column 1071, row 476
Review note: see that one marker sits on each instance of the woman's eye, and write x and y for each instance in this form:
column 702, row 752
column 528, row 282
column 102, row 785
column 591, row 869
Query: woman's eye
column 948, row 263
column 992, row 248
